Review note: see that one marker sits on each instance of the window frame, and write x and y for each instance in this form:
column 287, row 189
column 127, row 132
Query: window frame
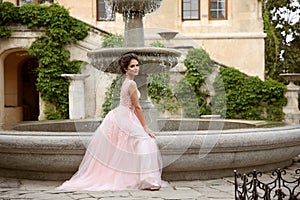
column 182, row 11
column 226, row 11
column 97, row 14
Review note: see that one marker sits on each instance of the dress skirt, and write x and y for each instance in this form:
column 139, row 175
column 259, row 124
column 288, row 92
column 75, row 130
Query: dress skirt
column 120, row 156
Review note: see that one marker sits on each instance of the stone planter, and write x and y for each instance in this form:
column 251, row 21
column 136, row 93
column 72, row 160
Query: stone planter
column 291, row 110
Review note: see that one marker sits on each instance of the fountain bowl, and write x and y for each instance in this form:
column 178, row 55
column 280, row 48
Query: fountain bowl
column 145, row 6
column 152, row 59
column 168, row 35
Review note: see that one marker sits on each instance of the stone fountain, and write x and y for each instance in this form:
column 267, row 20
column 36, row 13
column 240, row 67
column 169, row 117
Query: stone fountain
column 187, row 151
column 152, row 59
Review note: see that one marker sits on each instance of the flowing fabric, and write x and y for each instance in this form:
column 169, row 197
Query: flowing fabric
column 120, row 155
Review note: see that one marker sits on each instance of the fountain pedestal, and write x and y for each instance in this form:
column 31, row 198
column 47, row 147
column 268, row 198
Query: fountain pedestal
column 149, row 110
column 134, row 31
column 76, row 95
column 291, row 110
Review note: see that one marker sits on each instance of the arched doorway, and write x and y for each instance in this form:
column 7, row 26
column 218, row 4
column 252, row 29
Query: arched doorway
column 29, row 94
column 21, row 99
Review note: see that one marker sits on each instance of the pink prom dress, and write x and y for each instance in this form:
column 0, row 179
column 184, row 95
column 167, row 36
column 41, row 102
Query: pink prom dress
column 120, row 155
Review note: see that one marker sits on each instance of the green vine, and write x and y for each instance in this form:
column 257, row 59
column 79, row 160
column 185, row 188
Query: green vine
column 113, row 40
column 111, row 96
column 237, row 96
column 159, row 90
column 54, row 60
column 189, row 91
column 249, row 97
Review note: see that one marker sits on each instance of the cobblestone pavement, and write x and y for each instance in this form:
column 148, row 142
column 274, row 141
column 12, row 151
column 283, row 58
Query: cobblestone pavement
column 223, row 189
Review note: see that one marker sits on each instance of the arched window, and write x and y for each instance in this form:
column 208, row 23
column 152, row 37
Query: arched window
column 218, row 9
column 104, row 11
column 190, row 9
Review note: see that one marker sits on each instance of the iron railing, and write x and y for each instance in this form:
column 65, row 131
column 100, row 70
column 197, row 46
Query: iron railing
column 249, row 187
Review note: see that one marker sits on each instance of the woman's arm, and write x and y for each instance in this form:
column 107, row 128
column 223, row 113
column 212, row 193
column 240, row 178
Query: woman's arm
column 138, row 109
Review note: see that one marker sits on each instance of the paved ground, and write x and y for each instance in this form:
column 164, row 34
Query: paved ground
column 222, row 189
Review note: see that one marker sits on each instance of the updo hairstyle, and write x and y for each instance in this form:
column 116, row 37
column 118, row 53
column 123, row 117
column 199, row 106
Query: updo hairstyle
column 125, row 60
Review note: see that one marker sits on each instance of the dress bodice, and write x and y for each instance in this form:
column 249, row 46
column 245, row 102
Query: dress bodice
column 124, row 94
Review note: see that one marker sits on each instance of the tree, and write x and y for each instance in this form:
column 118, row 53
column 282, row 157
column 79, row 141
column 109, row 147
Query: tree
column 282, row 25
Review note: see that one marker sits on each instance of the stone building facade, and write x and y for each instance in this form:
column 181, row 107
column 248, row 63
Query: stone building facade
column 231, row 31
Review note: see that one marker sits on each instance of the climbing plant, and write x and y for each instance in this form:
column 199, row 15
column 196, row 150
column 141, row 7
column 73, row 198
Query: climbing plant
column 111, row 95
column 159, row 90
column 113, row 40
column 189, row 91
column 54, row 59
column 248, row 97
column 236, row 96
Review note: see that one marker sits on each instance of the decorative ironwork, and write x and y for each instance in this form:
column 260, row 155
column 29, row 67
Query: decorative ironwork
column 249, row 187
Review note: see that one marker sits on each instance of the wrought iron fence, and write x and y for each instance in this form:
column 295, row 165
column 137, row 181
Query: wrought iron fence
column 249, row 187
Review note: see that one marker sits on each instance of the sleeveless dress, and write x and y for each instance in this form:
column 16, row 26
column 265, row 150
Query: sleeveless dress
column 120, row 155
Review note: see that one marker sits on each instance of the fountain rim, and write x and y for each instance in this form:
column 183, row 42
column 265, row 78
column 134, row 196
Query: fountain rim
column 269, row 130
column 118, row 51
column 47, row 154
column 142, row 6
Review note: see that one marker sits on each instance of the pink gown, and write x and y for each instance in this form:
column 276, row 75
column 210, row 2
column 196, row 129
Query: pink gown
column 120, row 155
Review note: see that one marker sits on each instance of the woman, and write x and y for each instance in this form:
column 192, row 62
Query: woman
column 123, row 153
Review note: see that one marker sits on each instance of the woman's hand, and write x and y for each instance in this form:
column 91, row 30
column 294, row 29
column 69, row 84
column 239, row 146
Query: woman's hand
column 150, row 133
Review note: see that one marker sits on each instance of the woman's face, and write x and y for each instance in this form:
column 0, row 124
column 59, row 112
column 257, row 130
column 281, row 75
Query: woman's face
column 133, row 68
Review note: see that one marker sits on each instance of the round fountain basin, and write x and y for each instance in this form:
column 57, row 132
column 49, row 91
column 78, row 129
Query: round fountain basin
column 164, row 124
column 187, row 154
column 145, row 6
column 152, row 59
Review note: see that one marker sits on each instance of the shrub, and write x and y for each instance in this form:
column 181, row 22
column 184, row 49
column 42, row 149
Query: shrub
column 189, row 91
column 250, row 97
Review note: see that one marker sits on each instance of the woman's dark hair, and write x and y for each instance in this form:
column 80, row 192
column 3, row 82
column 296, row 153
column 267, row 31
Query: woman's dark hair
column 125, row 60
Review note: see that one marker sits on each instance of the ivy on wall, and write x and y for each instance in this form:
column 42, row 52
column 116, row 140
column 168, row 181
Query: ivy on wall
column 249, row 97
column 159, row 90
column 189, row 90
column 60, row 29
column 238, row 96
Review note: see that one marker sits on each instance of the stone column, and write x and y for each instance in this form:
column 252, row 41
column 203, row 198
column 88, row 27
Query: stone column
column 134, row 29
column 42, row 108
column 76, row 95
column 2, row 113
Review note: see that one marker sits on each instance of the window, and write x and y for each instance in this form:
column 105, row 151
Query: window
column 104, row 11
column 217, row 9
column 190, row 9
column 22, row 2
